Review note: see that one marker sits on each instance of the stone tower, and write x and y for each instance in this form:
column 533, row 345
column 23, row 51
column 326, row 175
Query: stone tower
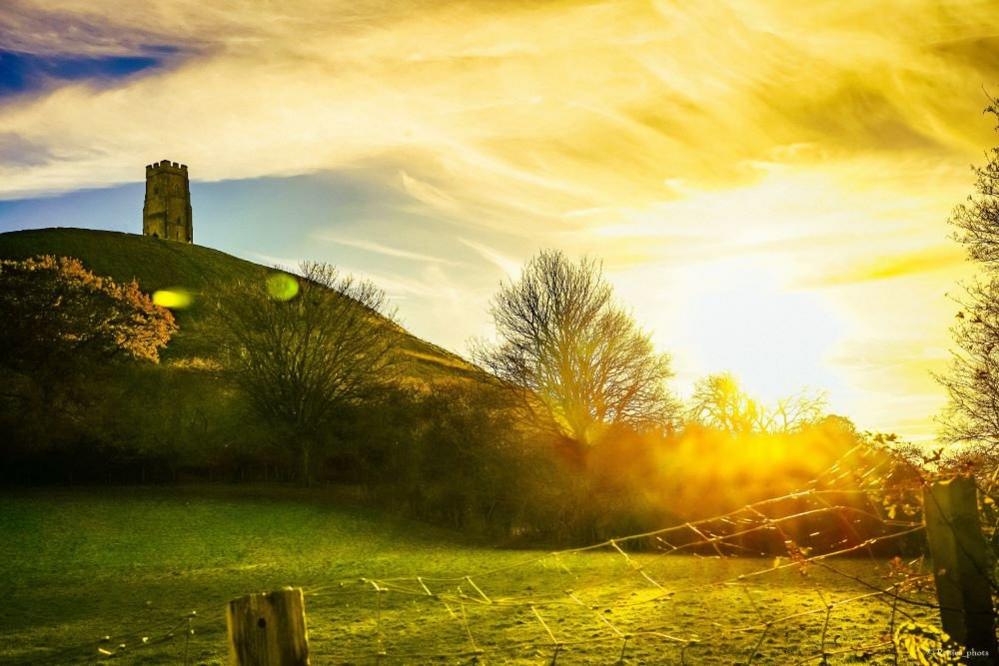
column 166, row 212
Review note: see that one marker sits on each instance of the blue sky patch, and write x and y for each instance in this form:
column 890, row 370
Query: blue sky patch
column 25, row 72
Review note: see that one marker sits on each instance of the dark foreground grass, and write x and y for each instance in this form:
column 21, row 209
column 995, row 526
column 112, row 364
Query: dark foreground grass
column 79, row 565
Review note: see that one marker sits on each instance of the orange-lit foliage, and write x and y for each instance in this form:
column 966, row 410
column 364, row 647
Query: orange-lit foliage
column 702, row 471
column 653, row 480
column 713, row 469
column 55, row 310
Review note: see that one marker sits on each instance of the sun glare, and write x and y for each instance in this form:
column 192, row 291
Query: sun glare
column 774, row 339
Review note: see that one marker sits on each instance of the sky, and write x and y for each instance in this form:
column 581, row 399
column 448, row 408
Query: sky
column 767, row 182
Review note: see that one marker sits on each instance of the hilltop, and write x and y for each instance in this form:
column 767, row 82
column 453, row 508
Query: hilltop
column 161, row 264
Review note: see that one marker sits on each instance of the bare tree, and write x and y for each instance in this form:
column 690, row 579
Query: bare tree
column 719, row 402
column 972, row 382
column 796, row 411
column 578, row 359
column 300, row 349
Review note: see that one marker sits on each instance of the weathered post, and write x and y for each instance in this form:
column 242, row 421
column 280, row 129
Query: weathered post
column 268, row 629
column 962, row 567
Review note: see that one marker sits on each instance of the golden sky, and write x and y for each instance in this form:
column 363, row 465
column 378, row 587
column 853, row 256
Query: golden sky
column 767, row 182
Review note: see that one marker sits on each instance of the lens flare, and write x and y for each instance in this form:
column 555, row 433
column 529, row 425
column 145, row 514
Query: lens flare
column 174, row 299
column 282, row 287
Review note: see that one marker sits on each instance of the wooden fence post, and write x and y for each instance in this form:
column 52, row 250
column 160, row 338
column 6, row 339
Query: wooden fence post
column 268, row 629
column 962, row 567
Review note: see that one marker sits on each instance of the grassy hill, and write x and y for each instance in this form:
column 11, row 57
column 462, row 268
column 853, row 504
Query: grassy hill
column 161, row 264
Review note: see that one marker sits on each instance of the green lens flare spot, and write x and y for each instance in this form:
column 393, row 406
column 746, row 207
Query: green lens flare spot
column 174, row 299
column 282, row 287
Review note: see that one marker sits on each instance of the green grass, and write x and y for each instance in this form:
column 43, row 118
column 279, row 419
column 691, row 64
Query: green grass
column 77, row 565
column 161, row 264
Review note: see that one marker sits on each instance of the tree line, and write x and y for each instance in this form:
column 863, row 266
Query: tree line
column 570, row 429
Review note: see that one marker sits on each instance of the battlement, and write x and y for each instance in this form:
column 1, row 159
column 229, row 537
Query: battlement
column 167, row 166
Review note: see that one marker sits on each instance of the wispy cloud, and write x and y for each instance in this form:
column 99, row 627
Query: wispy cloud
column 386, row 250
column 289, row 264
column 397, row 286
column 428, row 194
column 511, row 108
column 509, row 266
column 897, row 265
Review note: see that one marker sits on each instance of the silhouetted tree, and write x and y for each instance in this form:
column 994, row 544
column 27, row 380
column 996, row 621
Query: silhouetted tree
column 972, row 415
column 578, row 360
column 719, row 402
column 301, row 348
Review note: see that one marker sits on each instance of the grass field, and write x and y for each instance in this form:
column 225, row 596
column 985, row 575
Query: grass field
column 129, row 563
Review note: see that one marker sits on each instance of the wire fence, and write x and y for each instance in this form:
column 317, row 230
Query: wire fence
column 815, row 576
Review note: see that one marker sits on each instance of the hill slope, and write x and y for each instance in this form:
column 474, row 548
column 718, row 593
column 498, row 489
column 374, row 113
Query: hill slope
column 162, row 264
